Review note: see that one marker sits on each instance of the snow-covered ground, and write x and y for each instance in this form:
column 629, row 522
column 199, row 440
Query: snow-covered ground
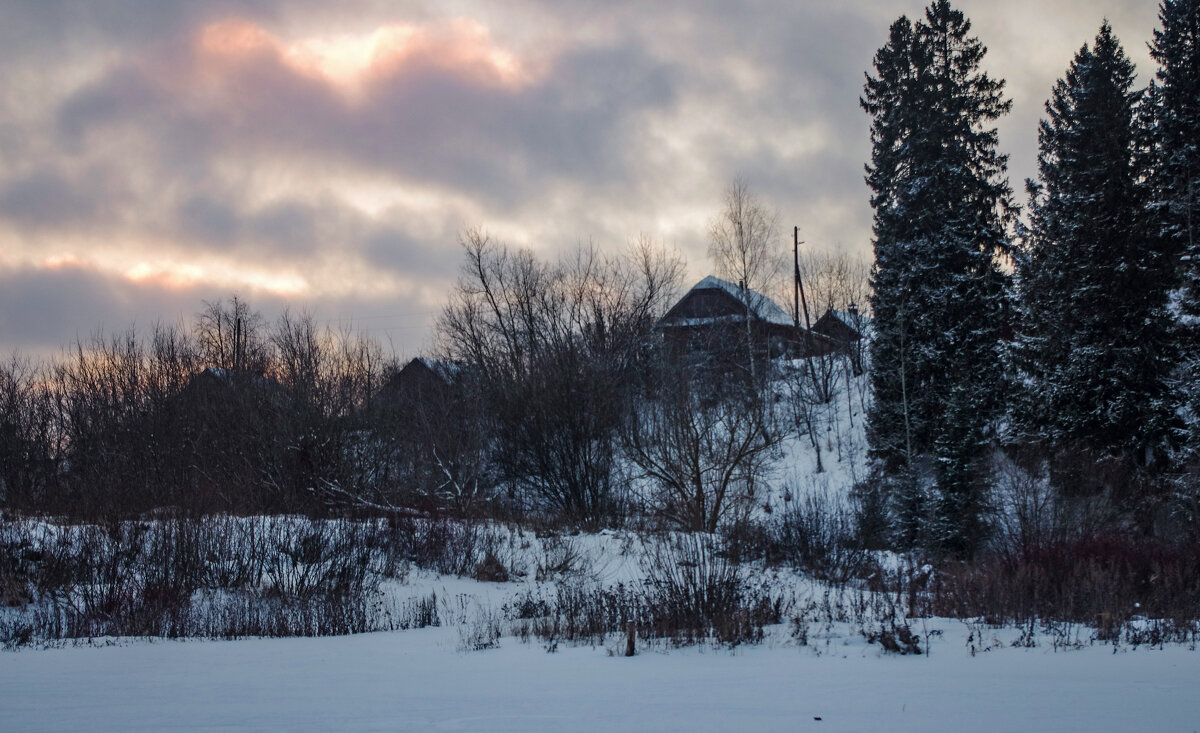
column 419, row 680
column 425, row 679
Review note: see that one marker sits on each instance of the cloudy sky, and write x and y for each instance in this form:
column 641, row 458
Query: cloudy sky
column 326, row 155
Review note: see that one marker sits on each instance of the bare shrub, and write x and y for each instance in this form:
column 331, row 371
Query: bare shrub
column 704, row 456
column 692, row 594
column 815, row 531
column 448, row 547
column 895, row 638
column 490, row 569
column 215, row 577
column 314, row 558
column 483, row 631
column 1106, row 582
column 1028, row 511
column 560, row 556
column 695, row 593
column 575, row 612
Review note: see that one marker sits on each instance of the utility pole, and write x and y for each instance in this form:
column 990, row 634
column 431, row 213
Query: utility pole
column 745, row 288
column 799, row 294
column 237, row 342
column 796, row 279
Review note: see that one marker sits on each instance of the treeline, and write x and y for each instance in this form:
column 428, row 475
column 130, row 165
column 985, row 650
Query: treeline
column 232, row 415
column 551, row 398
column 1068, row 339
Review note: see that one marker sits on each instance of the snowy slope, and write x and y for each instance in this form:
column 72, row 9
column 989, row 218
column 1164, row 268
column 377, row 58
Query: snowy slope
column 424, row 680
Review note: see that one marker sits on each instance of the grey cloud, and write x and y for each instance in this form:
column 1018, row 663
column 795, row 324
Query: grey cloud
column 293, row 225
column 392, row 248
column 208, row 220
column 125, row 92
column 47, row 198
column 52, row 28
column 287, row 228
column 425, row 123
column 144, row 150
column 45, row 310
column 290, row 230
column 42, row 310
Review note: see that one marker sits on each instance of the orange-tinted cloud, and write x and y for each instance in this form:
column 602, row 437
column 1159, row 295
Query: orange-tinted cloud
column 352, row 63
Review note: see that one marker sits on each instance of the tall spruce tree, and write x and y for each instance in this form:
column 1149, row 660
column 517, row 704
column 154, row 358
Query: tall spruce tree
column 1096, row 344
column 1173, row 133
column 1174, row 96
column 941, row 300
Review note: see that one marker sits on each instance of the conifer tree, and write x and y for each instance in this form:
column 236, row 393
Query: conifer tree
column 1175, row 128
column 1172, row 131
column 941, row 300
column 1096, row 342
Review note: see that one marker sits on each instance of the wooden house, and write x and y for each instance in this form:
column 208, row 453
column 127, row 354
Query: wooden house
column 713, row 315
column 422, row 381
column 711, row 319
column 842, row 332
column 232, row 391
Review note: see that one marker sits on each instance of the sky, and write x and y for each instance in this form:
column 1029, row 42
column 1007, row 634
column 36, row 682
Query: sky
column 327, row 156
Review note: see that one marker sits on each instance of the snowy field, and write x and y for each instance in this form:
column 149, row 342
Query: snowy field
column 419, row 680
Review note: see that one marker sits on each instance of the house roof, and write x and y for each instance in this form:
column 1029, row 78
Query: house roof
column 848, row 318
column 447, row 371
column 229, row 376
column 760, row 305
column 856, row 322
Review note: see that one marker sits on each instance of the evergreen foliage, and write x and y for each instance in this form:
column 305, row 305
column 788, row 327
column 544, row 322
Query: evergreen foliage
column 1175, row 132
column 941, row 300
column 1096, row 343
column 1172, row 134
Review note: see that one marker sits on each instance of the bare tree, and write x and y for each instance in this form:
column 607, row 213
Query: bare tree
column 741, row 240
column 26, row 433
column 231, row 336
column 835, row 280
column 330, row 377
column 554, row 345
column 704, row 456
column 832, row 282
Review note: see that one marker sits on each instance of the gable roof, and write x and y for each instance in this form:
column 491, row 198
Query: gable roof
column 854, row 323
column 230, row 377
column 853, row 320
column 761, row 307
column 447, row 371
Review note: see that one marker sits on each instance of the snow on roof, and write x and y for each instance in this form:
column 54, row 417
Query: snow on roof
column 853, row 320
column 760, row 305
column 446, row 370
column 228, row 375
column 244, row 376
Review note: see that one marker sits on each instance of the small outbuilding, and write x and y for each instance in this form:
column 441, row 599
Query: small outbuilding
column 422, row 381
column 842, row 332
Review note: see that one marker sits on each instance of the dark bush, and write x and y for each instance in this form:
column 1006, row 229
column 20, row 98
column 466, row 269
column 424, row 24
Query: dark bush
column 448, row 547
column 490, row 569
column 813, row 532
column 1103, row 581
column 692, row 594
